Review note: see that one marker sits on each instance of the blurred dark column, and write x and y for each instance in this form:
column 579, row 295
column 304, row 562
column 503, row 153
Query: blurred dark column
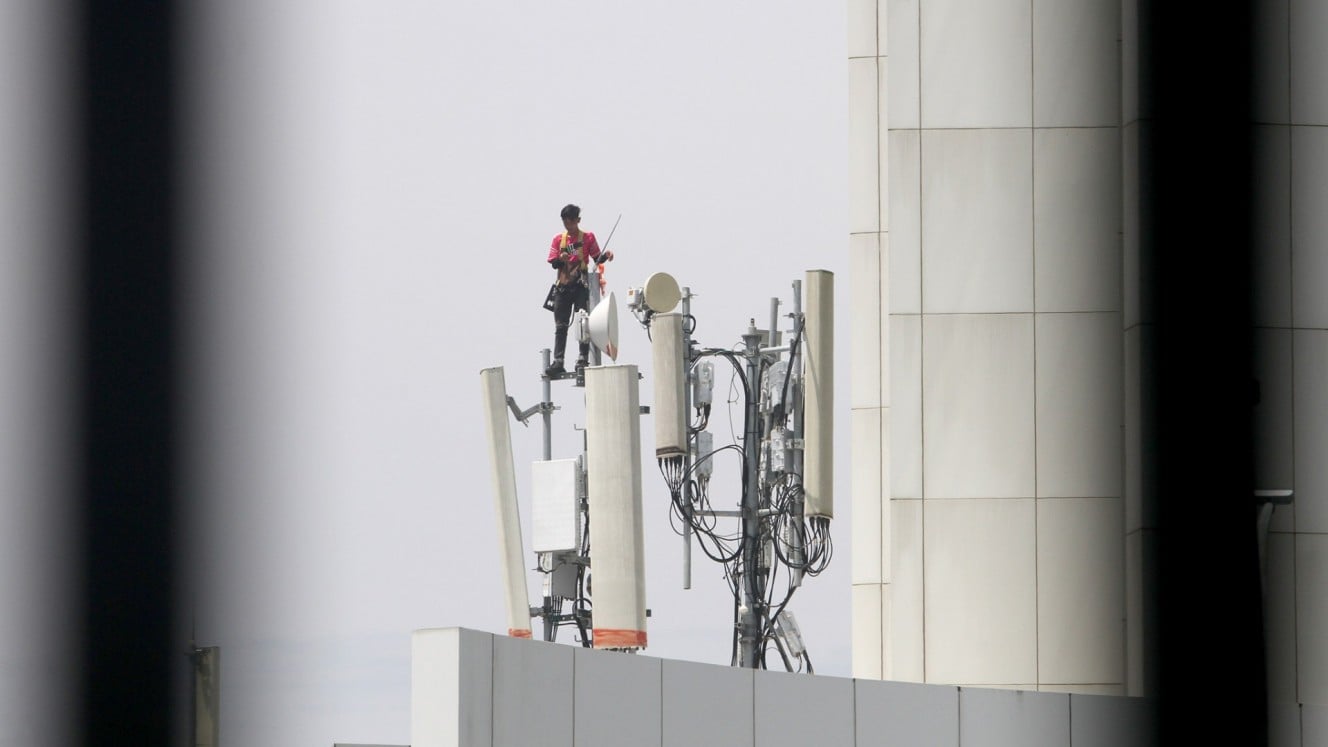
column 125, row 255
column 1196, row 88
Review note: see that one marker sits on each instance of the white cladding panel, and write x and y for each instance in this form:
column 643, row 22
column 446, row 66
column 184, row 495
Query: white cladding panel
column 554, row 494
column 472, row 689
column 818, row 378
column 613, row 475
column 505, row 504
column 666, row 347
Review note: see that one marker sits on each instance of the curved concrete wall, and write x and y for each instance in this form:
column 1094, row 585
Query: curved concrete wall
column 988, row 363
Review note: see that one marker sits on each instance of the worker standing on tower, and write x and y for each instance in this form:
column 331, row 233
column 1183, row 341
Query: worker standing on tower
column 569, row 254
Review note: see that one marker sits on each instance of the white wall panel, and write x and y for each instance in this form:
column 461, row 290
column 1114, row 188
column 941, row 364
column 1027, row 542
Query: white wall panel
column 1084, row 689
column 866, row 458
column 1314, row 724
column 882, row 35
column 512, row 687
column 1077, row 219
column 1309, row 60
column 867, row 630
column 1140, row 503
column 904, row 634
column 1284, row 725
column 1311, row 429
column 532, row 699
column 1272, row 98
column 981, row 603
column 1079, row 407
column 863, row 163
column 976, row 63
column 1080, row 590
column 1075, row 65
column 617, row 699
column 1097, row 721
column 1140, row 553
column 904, row 450
column 1129, row 60
column 1279, row 622
column 1132, row 141
column 1273, row 419
column 977, row 380
column 902, row 45
column 1309, row 224
column 883, row 324
column 896, row 713
column 862, row 28
column 884, row 493
column 977, row 221
column 905, row 196
column 451, row 688
column 705, row 705
column 1272, row 226
column 994, row 718
column 1025, row 686
column 799, row 710
column 1312, row 618
column 882, row 138
column 864, row 259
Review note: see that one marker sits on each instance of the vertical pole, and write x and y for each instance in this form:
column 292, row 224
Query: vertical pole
column 795, row 369
column 550, row 623
column 751, row 613
column 546, row 409
column 795, row 393
column 774, row 322
column 546, row 413
column 687, row 457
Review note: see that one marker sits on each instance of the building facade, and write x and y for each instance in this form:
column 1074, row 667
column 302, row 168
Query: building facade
column 1002, row 535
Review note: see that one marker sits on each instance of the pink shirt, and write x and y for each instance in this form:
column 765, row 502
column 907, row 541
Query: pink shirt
column 573, row 257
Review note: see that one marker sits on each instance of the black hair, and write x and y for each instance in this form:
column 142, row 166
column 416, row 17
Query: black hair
column 571, row 211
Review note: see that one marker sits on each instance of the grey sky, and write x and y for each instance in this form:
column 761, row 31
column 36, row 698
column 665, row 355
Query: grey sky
column 373, row 189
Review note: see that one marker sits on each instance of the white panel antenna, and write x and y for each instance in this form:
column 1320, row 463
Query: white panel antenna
column 819, row 379
column 613, row 467
column 666, row 346
column 505, row 502
column 555, row 505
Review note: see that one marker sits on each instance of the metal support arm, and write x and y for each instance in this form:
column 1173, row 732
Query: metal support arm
column 523, row 416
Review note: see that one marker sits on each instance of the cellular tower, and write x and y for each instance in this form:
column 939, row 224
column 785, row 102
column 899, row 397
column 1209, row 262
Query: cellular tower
column 769, row 527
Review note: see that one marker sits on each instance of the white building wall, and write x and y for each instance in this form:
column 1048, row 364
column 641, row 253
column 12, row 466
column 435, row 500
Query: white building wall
column 473, row 689
column 869, row 399
column 1291, row 343
column 990, row 377
column 1138, row 322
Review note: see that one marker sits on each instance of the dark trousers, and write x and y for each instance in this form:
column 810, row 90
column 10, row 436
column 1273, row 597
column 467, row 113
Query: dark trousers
column 574, row 295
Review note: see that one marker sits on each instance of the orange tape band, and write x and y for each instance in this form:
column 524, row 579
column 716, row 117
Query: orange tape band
column 518, row 633
column 618, row 638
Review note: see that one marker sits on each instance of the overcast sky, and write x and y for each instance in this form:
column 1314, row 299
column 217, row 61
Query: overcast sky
column 373, row 187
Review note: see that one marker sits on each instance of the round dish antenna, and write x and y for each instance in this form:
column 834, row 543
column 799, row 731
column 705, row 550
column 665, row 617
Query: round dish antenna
column 603, row 326
column 661, row 293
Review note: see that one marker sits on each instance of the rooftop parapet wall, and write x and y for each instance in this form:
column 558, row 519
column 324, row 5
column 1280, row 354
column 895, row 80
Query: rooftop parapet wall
column 474, row 689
